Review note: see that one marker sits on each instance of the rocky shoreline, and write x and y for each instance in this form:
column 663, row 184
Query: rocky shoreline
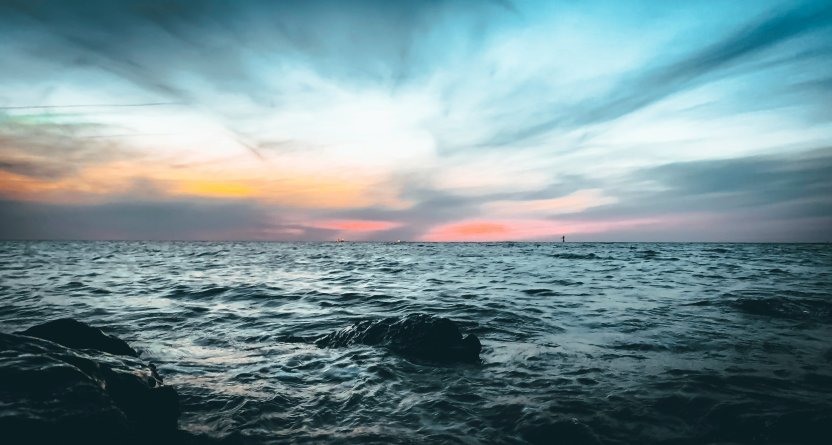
column 67, row 382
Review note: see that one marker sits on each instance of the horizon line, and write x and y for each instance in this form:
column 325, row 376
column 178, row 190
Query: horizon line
column 68, row 240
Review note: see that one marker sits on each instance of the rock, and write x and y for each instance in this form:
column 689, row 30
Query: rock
column 418, row 336
column 74, row 334
column 54, row 394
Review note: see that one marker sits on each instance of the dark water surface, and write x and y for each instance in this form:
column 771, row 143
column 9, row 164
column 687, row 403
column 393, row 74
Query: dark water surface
column 582, row 343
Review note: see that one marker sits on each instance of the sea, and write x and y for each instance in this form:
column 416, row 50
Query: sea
column 603, row 343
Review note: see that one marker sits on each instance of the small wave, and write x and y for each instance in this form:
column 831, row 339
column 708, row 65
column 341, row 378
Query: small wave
column 575, row 256
column 541, row 430
column 74, row 285
column 540, row 292
column 584, row 343
column 717, row 250
column 641, row 347
column 188, row 292
column 566, row 283
column 699, row 303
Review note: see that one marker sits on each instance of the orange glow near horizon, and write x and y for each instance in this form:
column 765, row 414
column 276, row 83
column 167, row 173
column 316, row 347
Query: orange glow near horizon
column 293, row 191
column 262, row 183
column 216, row 188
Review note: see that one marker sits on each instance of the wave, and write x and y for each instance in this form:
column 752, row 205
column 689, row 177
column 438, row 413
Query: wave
column 786, row 308
column 580, row 343
column 576, row 256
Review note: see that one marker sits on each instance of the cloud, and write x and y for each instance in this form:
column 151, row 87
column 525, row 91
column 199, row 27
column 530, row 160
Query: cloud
column 237, row 62
column 138, row 219
column 397, row 120
column 33, row 169
column 227, row 43
column 573, row 203
column 529, row 229
column 45, row 147
column 660, row 79
column 436, row 208
column 354, row 225
column 755, row 198
column 751, row 181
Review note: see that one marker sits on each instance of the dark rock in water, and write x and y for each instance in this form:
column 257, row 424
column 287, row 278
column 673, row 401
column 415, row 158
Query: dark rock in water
column 54, row 394
column 74, row 334
column 418, row 336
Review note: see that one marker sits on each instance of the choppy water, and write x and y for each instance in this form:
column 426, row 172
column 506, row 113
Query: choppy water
column 614, row 343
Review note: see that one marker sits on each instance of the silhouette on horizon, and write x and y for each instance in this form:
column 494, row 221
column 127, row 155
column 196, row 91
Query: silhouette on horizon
column 563, row 239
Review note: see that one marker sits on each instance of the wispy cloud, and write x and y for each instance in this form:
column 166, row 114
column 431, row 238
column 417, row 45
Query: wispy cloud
column 51, row 149
column 447, row 119
column 660, row 79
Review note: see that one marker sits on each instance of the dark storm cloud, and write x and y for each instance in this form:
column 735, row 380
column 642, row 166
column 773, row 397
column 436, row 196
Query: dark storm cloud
column 135, row 219
column 651, row 84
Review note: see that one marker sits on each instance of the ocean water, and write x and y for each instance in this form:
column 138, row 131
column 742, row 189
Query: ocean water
column 582, row 343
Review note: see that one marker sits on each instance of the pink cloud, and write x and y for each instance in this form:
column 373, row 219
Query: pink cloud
column 525, row 229
column 355, row 225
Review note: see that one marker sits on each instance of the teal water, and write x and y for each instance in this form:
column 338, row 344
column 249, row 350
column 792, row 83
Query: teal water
column 582, row 343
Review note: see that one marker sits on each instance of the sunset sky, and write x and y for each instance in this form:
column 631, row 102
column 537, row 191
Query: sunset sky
column 416, row 120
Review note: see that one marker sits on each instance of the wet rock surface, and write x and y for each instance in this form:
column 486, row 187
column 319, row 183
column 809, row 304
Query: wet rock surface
column 418, row 336
column 53, row 394
column 74, row 334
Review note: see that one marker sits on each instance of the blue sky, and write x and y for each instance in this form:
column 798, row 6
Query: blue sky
column 428, row 120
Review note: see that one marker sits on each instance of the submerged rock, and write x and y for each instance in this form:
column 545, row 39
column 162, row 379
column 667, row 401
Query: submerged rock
column 418, row 336
column 53, row 394
column 74, row 334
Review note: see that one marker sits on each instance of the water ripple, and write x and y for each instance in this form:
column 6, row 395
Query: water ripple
column 586, row 343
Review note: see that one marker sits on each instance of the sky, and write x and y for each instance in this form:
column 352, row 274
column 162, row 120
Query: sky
column 423, row 120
